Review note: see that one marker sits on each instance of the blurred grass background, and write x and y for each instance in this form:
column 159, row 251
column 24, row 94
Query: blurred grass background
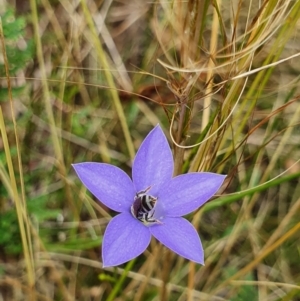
column 87, row 80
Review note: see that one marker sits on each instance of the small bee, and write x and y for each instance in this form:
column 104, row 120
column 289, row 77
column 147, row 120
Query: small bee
column 143, row 207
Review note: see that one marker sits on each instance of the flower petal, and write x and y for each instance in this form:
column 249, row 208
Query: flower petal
column 181, row 237
column 185, row 193
column 111, row 185
column 124, row 239
column 153, row 164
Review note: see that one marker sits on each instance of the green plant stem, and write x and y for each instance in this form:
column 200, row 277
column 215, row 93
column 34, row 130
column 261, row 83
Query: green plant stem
column 119, row 283
column 222, row 201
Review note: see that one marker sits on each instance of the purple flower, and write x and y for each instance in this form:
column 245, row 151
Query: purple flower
column 152, row 203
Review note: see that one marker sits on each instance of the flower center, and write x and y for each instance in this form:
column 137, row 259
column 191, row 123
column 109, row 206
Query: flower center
column 143, row 207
